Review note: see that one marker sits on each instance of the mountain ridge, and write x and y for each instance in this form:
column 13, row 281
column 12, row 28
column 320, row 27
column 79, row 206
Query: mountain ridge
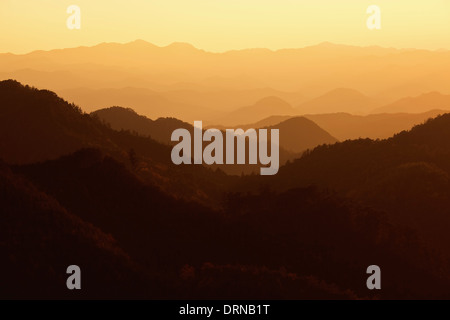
column 421, row 103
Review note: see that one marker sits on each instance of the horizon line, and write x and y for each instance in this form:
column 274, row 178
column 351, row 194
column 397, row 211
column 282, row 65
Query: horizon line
column 322, row 43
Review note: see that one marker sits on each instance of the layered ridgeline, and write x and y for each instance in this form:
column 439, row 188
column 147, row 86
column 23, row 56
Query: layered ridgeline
column 338, row 100
column 127, row 119
column 161, row 130
column 37, row 125
column 180, row 66
column 261, row 109
column 417, row 104
column 296, row 135
column 58, row 205
column 406, row 176
column 345, row 126
column 182, row 81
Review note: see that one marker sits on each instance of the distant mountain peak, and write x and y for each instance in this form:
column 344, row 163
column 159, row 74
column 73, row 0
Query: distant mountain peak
column 272, row 101
column 300, row 134
column 331, row 45
column 263, row 108
column 118, row 109
column 326, row 44
column 181, row 46
column 141, row 43
column 338, row 100
column 418, row 104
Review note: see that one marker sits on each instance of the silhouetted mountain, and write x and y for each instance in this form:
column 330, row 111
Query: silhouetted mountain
column 127, row 119
column 258, row 243
column 338, row 100
column 162, row 128
column 272, row 234
column 345, row 126
column 298, row 134
column 144, row 101
column 261, row 109
column 39, row 239
column 37, row 125
column 105, row 193
column 423, row 103
column 267, row 122
column 406, row 176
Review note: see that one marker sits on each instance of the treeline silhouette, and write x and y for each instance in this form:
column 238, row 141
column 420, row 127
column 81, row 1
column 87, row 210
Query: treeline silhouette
column 139, row 226
column 161, row 130
column 36, row 125
column 406, row 176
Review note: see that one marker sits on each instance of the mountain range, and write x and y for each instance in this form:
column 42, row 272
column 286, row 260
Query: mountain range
column 342, row 100
column 346, row 126
column 74, row 188
column 405, row 176
column 37, row 125
column 417, row 104
column 258, row 111
column 182, row 81
column 297, row 134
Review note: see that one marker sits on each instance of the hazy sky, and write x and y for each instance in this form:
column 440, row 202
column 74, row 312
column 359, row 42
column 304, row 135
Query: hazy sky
column 220, row 25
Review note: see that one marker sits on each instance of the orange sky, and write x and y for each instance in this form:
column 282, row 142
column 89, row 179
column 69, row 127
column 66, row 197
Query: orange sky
column 220, row 25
